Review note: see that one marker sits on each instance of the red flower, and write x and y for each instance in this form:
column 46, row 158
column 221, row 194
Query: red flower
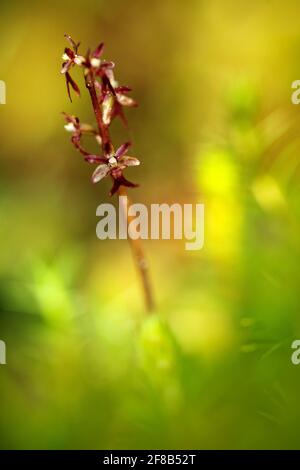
column 121, row 98
column 108, row 98
column 71, row 58
column 113, row 165
column 78, row 129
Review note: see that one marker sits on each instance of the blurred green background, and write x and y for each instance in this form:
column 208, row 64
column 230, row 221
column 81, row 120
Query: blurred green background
column 86, row 367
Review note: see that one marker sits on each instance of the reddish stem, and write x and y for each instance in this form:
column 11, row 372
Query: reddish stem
column 136, row 245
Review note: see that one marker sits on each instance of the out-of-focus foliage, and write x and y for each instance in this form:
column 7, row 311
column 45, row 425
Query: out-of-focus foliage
column 86, row 368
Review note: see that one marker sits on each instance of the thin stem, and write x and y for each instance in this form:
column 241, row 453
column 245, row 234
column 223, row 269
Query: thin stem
column 139, row 256
column 136, row 245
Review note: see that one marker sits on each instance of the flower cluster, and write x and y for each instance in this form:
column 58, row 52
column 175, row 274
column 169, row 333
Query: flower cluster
column 108, row 99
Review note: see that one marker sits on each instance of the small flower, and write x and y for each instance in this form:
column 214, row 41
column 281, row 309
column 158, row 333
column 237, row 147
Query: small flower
column 108, row 99
column 93, row 61
column 120, row 91
column 114, row 165
column 77, row 129
column 70, row 127
column 71, row 58
column 73, row 123
column 120, row 98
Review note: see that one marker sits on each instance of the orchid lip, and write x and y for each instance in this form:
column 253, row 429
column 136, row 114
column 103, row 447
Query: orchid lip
column 79, row 60
column 112, row 161
column 70, row 127
column 95, row 62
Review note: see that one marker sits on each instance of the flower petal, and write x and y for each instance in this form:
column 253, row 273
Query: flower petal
column 115, row 187
column 107, row 107
column 73, row 119
column 98, row 51
column 121, row 181
column 110, row 75
column 118, row 111
column 122, row 149
column 69, row 53
column 73, row 84
column 100, row 172
column 98, row 139
column 66, row 66
column 79, row 60
column 87, row 129
column 129, row 161
column 127, row 183
column 70, row 127
column 72, row 42
column 95, row 62
column 122, row 89
column 95, row 159
column 125, row 100
column 107, row 65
